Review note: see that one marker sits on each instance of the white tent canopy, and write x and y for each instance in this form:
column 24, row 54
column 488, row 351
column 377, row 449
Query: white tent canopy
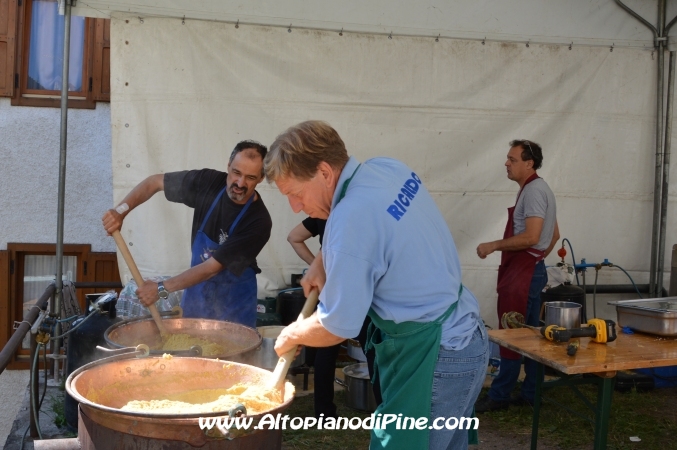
column 594, row 22
column 185, row 91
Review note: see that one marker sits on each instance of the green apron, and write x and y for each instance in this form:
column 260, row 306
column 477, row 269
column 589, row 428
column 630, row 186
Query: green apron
column 406, row 354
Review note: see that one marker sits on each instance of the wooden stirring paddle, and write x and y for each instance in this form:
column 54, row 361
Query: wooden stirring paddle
column 276, row 381
column 122, row 246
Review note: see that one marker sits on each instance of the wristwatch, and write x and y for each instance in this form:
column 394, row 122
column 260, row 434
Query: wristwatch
column 161, row 291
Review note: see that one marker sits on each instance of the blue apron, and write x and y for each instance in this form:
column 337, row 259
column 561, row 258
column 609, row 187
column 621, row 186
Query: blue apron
column 224, row 296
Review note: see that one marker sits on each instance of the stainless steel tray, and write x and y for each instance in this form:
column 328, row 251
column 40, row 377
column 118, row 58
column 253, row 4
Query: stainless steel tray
column 652, row 315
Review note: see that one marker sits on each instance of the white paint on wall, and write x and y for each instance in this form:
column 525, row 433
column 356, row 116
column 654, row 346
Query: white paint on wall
column 29, row 175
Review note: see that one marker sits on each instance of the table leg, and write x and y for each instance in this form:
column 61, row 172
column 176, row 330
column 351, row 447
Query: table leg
column 604, row 393
column 537, row 405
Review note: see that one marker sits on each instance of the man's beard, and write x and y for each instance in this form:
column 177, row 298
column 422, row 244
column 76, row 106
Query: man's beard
column 237, row 196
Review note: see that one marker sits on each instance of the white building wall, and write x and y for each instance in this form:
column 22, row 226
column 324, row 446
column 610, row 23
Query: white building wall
column 29, row 175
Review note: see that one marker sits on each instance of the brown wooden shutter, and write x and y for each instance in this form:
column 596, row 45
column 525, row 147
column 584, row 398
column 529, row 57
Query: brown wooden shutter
column 101, row 61
column 102, row 267
column 8, row 20
column 5, row 320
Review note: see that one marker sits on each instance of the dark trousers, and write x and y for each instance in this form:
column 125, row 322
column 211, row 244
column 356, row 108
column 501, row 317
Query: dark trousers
column 325, row 366
column 324, row 361
column 371, row 356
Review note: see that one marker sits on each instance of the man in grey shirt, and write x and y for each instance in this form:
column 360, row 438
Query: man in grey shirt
column 530, row 235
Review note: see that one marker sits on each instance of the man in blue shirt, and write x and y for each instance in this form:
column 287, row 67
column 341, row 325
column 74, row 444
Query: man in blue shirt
column 402, row 269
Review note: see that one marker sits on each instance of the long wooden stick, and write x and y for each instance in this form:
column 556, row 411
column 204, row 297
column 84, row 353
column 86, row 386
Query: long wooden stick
column 122, row 246
column 276, row 381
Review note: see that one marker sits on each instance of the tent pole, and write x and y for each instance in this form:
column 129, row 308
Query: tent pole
column 655, row 225
column 666, row 170
column 653, row 278
column 56, row 311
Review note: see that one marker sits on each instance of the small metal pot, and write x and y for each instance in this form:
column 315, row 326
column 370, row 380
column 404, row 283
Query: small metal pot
column 564, row 314
column 354, row 350
column 265, row 356
column 359, row 390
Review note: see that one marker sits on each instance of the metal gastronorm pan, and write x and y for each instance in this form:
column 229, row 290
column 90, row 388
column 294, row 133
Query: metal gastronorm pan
column 652, row 315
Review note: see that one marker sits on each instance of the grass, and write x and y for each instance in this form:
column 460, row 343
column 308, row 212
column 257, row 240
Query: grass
column 59, row 410
column 323, row 439
column 651, row 416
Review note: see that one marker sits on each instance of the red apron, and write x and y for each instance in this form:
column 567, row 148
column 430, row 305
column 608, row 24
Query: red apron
column 514, row 275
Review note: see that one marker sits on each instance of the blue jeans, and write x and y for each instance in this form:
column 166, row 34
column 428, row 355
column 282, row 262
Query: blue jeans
column 509, row 371
column 458, row 379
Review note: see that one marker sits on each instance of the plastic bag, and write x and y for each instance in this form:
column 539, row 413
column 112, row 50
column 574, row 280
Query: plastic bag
column 130, row 306
column 559, row 274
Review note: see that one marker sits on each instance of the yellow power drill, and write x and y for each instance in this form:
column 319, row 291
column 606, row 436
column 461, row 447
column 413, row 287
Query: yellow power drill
column 600, row 330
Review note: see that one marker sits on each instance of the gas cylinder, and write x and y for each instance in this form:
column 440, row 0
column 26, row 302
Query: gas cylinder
column 289, row 305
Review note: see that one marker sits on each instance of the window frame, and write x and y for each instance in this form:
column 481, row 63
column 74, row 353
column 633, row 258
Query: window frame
column 91, row 267
column 18, row 253
column 91, row 78
column 43, row 93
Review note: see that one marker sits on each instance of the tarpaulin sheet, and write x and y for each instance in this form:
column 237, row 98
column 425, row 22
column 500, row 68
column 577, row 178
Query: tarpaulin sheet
column 184, row 94
column 590, row 22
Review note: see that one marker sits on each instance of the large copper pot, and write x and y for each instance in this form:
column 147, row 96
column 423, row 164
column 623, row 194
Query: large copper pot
column 237, row 340
column 104, row 386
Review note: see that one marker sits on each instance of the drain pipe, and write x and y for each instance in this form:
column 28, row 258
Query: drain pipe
column 56, row 310
column 659, row 45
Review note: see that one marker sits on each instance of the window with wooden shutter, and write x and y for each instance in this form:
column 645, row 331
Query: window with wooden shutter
column 8, row 18
column 38, row 59
column 27, row 269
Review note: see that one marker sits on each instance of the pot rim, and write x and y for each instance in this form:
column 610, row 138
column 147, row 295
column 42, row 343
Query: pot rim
column 562, row 305
column 72, row 378
column 132, row 322
column 354, row 367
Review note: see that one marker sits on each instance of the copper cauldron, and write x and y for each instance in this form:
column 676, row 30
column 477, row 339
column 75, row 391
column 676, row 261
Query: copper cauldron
column 104, row 386
column 237, row 340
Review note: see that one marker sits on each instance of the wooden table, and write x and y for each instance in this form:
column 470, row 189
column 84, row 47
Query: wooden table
column 628, row 351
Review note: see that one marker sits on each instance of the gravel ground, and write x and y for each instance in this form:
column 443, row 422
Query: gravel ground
column 47, row 427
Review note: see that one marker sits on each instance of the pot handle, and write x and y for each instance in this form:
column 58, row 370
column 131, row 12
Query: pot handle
column 341, row 382
column 176, row 312
column 195, row 350
column 140, row 350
